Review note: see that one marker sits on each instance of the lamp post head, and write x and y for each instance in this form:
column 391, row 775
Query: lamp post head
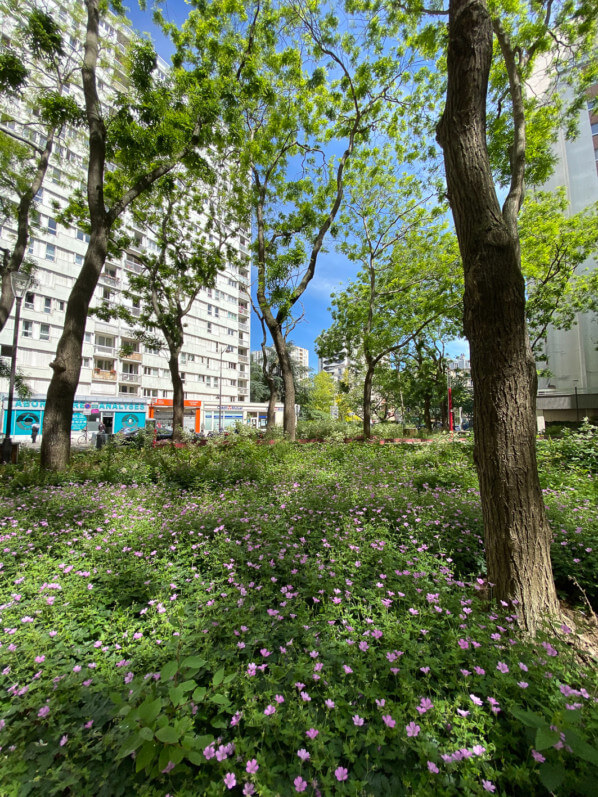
column 19, row 282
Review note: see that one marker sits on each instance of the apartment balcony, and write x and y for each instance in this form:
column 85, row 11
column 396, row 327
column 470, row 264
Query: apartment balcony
column 124, row 392
column 134, row 378
column 110, row 350
column 108, row 279
column 243, row 358
column 243, row 391
column 97, row 375
column 133, row 356
column 243, row 326
column 243, row 310
column 131, row 265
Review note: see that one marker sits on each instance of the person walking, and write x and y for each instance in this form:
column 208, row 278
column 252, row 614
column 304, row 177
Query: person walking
column 101, row 438
column 34, row 431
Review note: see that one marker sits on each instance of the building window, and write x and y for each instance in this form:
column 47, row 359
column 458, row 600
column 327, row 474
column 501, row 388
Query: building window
column 47, row 304
column 52, row 226
column 209, row 326
column 27, row 329
column 104, row 365
column 30, row 301
column 79, row 260
column 149, row 371
column 150, row 392
column 44, row 331
column 86, row 362
column 82, row 236
column 165, row 394
column 60, row 305
column 50, row 252
column 87, row 336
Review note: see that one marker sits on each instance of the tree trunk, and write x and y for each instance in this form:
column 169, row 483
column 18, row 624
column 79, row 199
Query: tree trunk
column 516, row 531
column 178, row 395
column 287, row 378
column 24, row 208
column 427, row 412
column 56, row 437
column 271, row 414
column 367, row 401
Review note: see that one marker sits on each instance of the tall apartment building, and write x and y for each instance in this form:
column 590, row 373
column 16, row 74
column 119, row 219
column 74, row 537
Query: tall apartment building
column 297, row 354
column 571, row 390
column 336, row 368
column 121, row 380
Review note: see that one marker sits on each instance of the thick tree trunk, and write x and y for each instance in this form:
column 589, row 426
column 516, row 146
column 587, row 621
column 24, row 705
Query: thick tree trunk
column 56, row 437
column 287, row 378
column 178, row 395
column 517, row 535
column 367, row 401
column 271, row 412
column 427, row 412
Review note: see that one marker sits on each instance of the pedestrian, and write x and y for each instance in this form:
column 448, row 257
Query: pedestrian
column 101, row 438
column 34, row 431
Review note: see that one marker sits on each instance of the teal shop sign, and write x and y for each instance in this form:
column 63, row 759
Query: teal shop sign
column 79, row 422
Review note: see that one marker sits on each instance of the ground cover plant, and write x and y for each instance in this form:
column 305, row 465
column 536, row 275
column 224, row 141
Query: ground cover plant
column 282, row 619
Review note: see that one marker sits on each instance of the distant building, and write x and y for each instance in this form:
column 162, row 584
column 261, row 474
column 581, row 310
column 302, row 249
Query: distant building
column 336, row 368
column 298, row 355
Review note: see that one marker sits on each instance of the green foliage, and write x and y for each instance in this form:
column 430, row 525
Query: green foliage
column 148, row 649
column 43, row 35
column 13, row 73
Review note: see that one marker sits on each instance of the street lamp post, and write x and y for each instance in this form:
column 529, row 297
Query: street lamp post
column 19, row 283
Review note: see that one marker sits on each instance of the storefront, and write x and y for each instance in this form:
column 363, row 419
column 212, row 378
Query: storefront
column 87, row 414
column 160, row 411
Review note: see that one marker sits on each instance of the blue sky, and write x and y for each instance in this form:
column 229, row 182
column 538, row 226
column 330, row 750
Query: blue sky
column 333, row 270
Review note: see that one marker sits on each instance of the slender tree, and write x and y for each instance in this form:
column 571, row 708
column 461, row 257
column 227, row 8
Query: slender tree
column 36, row 69
column 158, row 123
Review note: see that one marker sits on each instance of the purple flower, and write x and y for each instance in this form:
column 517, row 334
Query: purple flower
column 209, row 752
column 412, row 729
column 357, row 720
column 432, row 767
column 303, row 754
column 347, row 669
column 44, row 711
column 329, row 703
column 476, row 700
column 538, row 757
column 300, row 784
column 488, row 785
column 388, row 720
column 230, row 781
column 340, row 773
column 312, row 733
column 502, row 667
column 270, row 710
column 425, row 704
column 252, row 766
column 64, row 740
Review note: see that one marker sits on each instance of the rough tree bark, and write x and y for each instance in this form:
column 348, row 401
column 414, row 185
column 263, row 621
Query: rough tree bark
column 178, row 394
column 516, row 530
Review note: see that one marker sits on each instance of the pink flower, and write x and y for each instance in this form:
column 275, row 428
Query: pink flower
column 340, row 773
column 300, row 784
column 388, row 720
column 248, row 789
column 279, row 698
column 270, row 710
column 502, row 667
column 209, row 752
column 347, row 669
column 44, row 711
column 538, row 757
column 312, row 733
column 412, row 729
column 230, row 781
column 357, row 720
column 303, row 754
column 252, row 766
column 488, row 785
column 329, row 703
column 425, row 704
column 64, row 740
column 432, row 767
column 476, row 700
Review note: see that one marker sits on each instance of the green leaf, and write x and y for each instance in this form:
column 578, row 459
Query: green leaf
column 129, row 746
column 169, row 670
column 529, row 718
column 199, row 694
column 193, row 662
column 145, row 756
column 546, row 738
column 202, row 741
column 187, row 686
column 149, row 710
column 581, row 748
column 196, row 758
column 176, row 695
column 221, row 700
column 552, row 775
column 218, row 677
column 147, row 734
column 168, row 735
